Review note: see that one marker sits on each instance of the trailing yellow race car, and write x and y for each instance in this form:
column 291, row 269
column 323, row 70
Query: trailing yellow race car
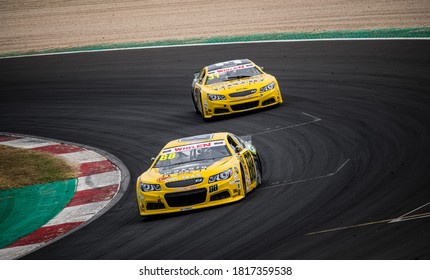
column 199, row 171
column 233, row 86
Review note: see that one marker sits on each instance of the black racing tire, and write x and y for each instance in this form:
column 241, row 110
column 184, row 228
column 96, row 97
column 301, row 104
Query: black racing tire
column 202, row 113
column 194, row 103
column 259, row 170
column 138, row 210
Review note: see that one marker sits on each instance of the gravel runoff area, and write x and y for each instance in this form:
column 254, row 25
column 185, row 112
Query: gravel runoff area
column 33, row 25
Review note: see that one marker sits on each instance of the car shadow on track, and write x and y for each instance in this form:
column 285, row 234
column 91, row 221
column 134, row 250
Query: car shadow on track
column 238, row 114
column 162, row 217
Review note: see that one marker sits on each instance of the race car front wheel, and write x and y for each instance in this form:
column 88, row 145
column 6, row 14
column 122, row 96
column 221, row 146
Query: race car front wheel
column 194, row 103
column 201, row 104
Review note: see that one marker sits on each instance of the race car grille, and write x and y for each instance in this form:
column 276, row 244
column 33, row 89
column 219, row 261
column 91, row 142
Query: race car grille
column 243, row 93
column 221, row 110
column 222, row 195
column 186, row 198
column 154, row 206
column 184, row 183
column 244, row 106
column 269, row 101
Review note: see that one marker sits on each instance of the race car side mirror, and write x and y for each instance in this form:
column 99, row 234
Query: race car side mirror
column 196, row 75
column 153, row 158
column 238, row 149
column 262, row 68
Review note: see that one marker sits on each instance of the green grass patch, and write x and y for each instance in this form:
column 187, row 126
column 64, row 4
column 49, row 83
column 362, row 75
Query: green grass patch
column 21, row 167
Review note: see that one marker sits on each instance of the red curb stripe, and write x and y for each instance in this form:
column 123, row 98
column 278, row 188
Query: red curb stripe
column 44, row 234
column 97, row 167
column 7, row 138
column 94, row 195
column 58, row 149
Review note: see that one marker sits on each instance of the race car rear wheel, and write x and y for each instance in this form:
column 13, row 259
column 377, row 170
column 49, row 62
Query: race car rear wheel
column 259, row 179
column 259, row 170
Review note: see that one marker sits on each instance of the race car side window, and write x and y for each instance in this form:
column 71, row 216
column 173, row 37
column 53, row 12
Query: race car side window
column 233, row 144
column 238, row 140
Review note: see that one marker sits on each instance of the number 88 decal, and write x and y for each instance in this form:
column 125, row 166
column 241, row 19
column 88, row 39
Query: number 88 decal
column 168, row 156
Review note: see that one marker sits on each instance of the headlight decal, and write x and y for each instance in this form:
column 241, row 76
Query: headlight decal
column 221, row 176
column 215, row 97
column 149, row 187
column 268, row 87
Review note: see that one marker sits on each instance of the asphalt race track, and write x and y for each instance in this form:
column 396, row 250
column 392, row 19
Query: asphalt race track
column 346, row 158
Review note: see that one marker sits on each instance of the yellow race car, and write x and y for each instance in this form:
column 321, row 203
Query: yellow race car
column 233, row 86
column 199, row 171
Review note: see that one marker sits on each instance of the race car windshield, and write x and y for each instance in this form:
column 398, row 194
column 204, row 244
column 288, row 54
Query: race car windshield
column 192, row 155
column 218, row 76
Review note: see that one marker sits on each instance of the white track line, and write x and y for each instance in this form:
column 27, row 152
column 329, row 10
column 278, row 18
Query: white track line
column 315, row 119
column 214, row 44
column 277, row 184
column 403, row 217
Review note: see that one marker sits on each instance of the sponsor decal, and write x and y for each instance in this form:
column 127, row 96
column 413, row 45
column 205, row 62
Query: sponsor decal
column 194, row 146
column 183, row 170
column 244, row 97
column 189, row 188
column 227, row 85
column 163, row 178
column 229, row 69
column 248, row 182
column 185, row 177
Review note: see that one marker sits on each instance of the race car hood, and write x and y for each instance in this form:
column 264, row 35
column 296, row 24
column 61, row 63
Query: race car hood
column 191, row 169
column 238, row 85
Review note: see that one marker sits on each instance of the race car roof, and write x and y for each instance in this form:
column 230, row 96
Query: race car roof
column 229, row 63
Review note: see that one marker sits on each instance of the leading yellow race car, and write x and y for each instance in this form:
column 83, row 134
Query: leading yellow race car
column 199, row 171
column 233, row 86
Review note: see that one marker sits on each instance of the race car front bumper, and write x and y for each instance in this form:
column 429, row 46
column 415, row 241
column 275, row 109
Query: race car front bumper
column 241, row 104
column 189, row 198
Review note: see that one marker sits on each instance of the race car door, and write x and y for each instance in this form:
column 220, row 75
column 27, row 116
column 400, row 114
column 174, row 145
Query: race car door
column 248, row 163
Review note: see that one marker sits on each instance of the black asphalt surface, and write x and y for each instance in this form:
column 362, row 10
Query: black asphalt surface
column 350, row 146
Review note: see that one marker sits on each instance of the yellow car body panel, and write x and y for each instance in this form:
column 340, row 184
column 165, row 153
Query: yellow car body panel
column 233, row 86
column 179, row 181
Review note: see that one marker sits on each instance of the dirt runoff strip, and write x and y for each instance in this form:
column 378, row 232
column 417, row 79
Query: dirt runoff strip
column 37, row 26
